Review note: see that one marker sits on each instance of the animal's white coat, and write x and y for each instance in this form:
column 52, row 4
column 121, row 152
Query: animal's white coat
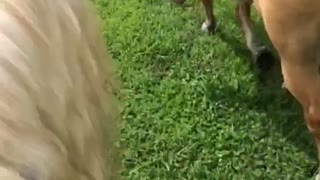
column 53, row 108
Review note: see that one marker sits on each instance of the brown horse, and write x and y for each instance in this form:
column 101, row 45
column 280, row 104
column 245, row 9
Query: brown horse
column 293, row 27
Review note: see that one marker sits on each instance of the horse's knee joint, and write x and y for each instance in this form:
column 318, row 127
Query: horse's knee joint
column 313, row 120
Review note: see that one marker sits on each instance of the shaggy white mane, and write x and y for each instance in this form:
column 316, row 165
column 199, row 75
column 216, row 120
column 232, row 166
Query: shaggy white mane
column 56, row 120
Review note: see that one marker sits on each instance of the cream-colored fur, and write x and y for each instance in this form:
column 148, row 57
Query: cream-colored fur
column 57, row 122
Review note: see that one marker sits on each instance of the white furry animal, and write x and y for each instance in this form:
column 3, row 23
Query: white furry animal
column 57, row 122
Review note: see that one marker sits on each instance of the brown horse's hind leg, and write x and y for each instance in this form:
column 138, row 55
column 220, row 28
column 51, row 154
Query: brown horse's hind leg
column 261, row 55
column 302, row 79
column 312, row 117
column 209, row 24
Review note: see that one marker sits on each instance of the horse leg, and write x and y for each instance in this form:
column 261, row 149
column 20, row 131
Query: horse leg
column 302, row 79
column 261, row 56
column 312, row 117
column 209, row 24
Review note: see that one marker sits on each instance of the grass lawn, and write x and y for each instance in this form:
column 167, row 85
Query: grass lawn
column 192, row 106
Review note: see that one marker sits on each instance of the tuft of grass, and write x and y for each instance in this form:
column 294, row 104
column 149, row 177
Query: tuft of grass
column 192, row 106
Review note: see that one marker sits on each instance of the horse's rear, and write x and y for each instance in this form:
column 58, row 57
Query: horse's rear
column 56, row 119
column 294, row 29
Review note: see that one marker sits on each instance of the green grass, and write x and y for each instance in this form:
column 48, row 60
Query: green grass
column 192, row 106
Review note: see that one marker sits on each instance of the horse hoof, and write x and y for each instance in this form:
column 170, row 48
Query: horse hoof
column 208, row 27
column 263, row 59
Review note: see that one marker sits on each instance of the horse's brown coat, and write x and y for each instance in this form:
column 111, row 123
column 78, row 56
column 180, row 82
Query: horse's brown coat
column 294, row 29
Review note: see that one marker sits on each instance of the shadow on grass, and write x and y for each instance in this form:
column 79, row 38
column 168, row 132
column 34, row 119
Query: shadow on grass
column 283, row 112
column 288, row 120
